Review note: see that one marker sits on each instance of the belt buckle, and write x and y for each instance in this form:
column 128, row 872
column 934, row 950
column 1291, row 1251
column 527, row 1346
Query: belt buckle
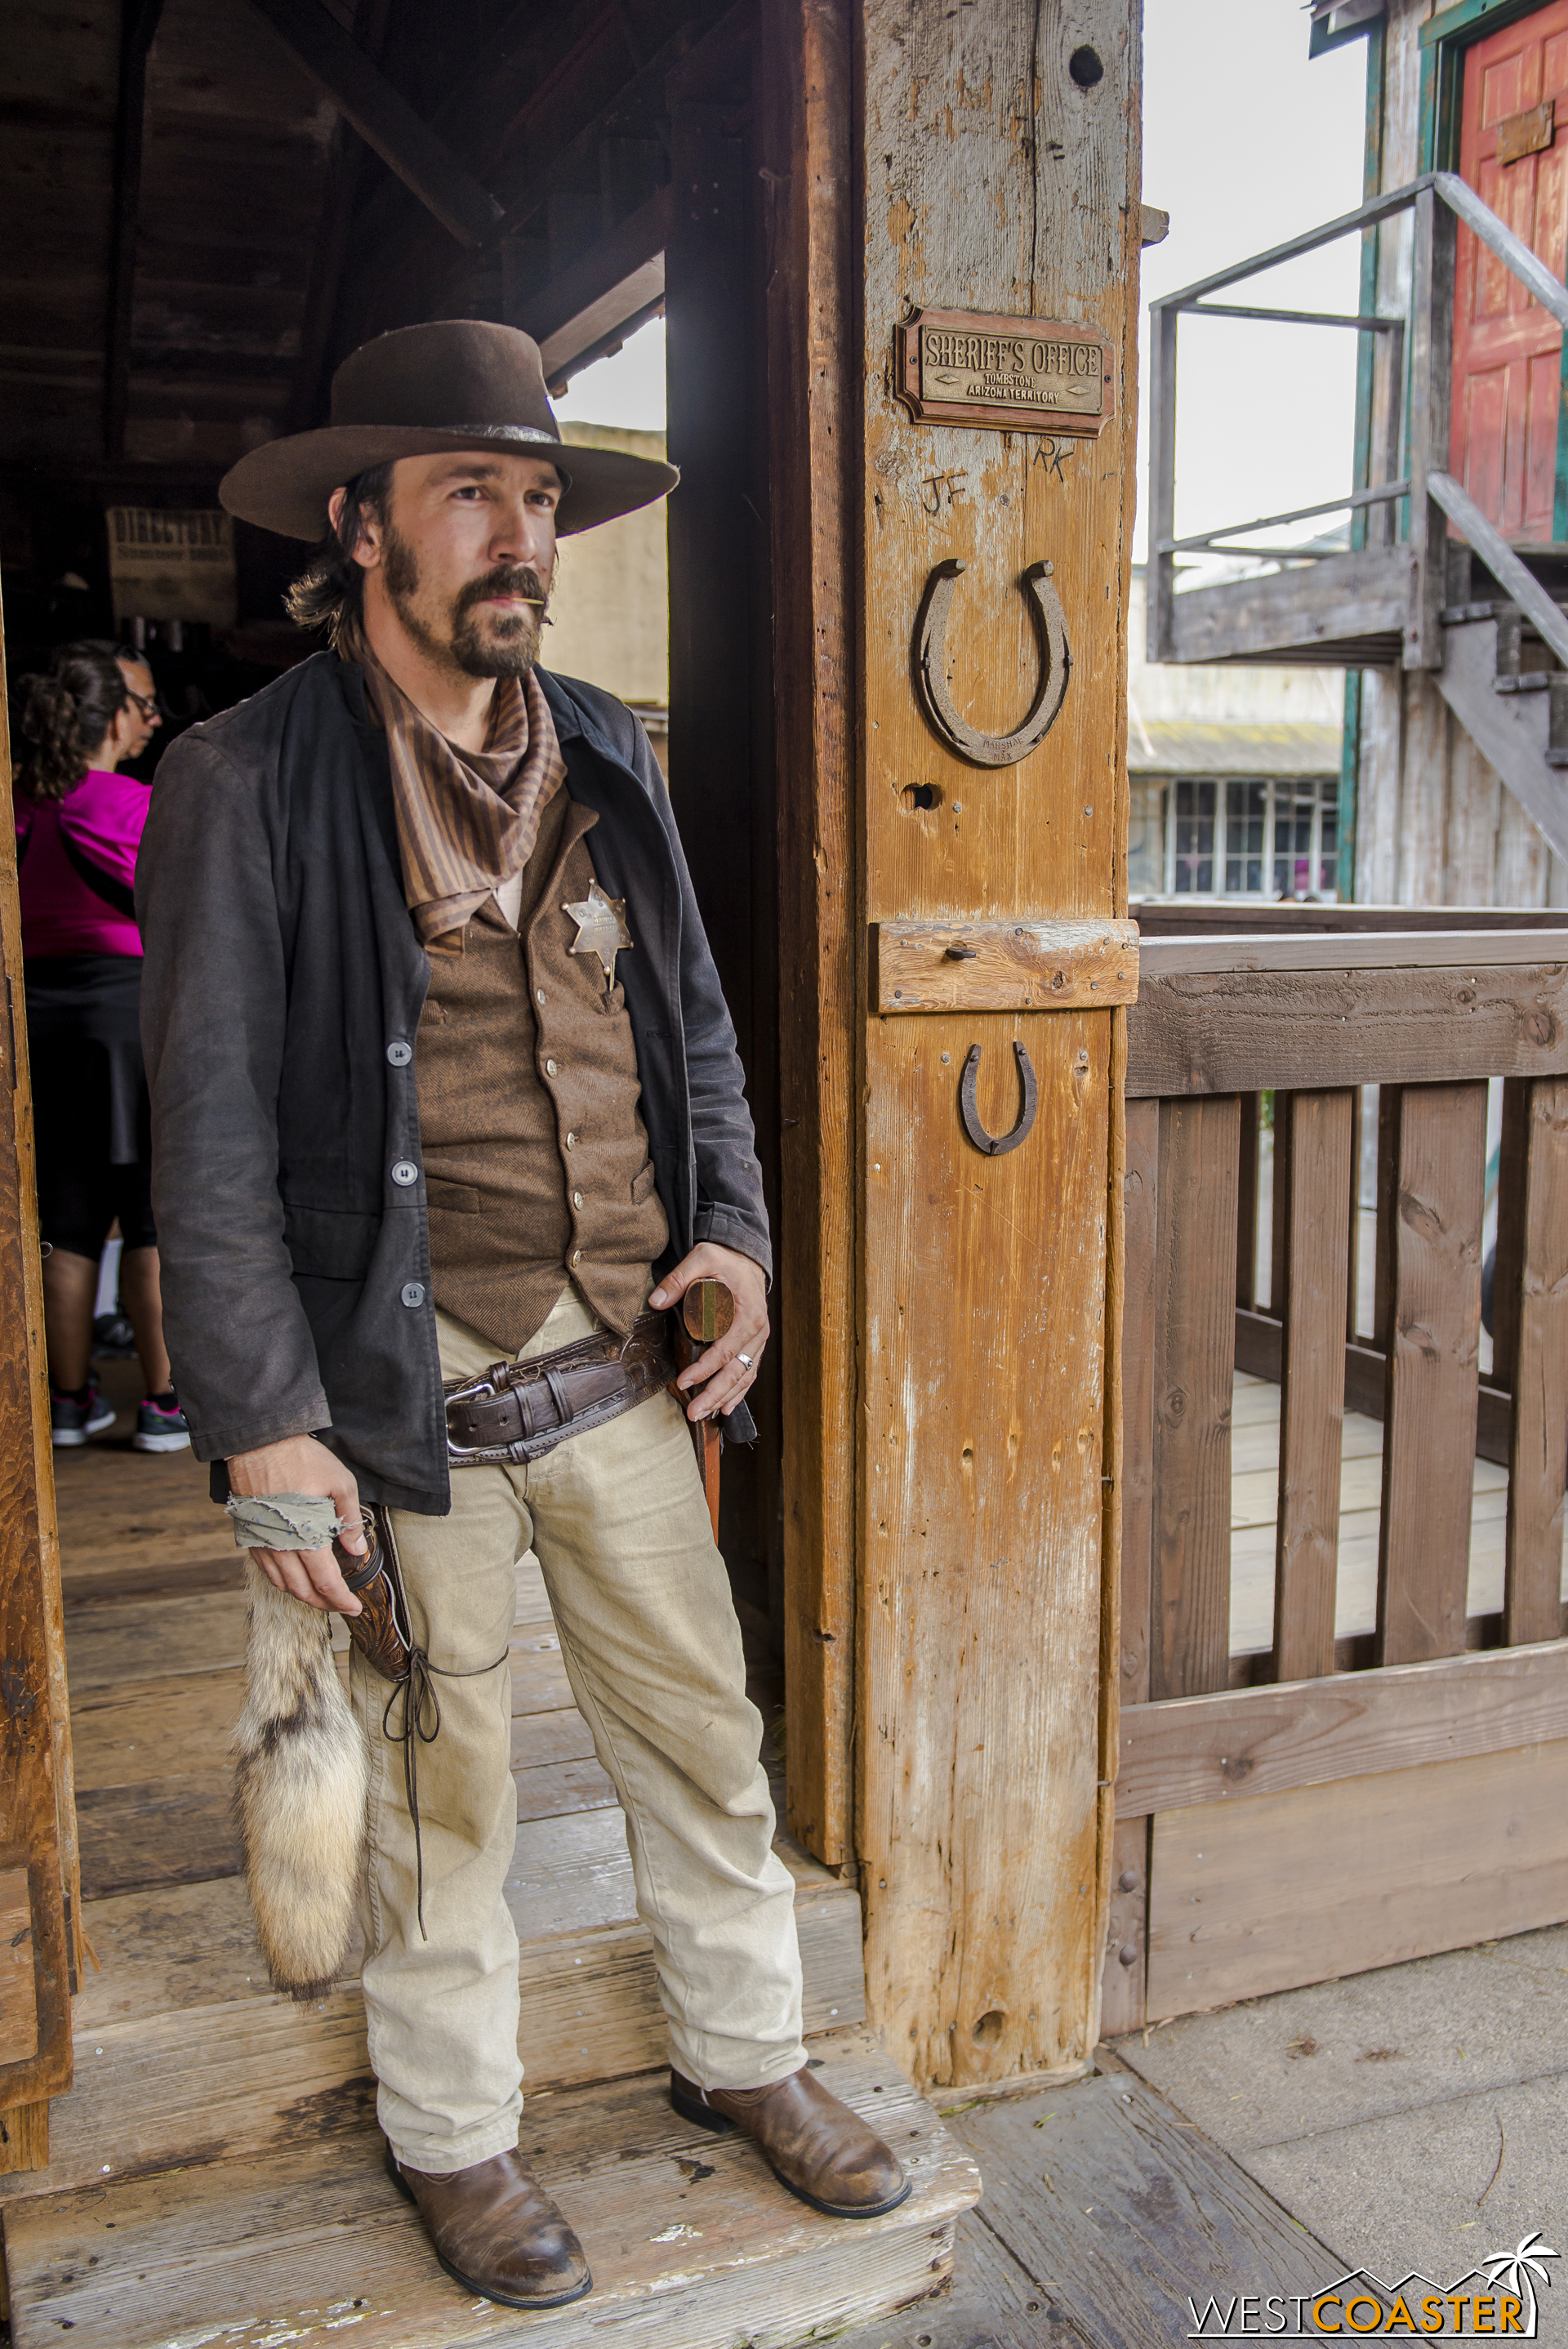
column 478, row 1390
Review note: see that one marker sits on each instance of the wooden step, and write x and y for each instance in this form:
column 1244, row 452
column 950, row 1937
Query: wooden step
column 693, row 2245
column 182, row 2053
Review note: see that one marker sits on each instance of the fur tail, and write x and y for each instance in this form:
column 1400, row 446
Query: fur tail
column 300, row 1789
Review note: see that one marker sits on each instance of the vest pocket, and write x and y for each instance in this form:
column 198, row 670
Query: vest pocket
column 643, row 1185
column 450, row 1198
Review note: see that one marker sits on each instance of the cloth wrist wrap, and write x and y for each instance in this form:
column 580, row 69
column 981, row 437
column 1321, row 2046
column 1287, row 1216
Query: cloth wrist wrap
column 284, row 1520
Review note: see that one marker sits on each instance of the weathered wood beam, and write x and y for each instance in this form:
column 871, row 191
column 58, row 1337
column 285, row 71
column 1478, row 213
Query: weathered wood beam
column 601, row 292
column 810, row 324
column 383, row 119
column 1251, row 1031
column 139, row 24
column 1259, row 1741
column 40, row 1885
column 1447, row 949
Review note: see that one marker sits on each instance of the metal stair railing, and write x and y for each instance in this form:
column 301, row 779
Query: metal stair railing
column 1440, row 201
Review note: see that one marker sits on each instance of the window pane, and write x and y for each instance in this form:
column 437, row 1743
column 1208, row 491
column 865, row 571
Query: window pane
column 1329, row 860
column 1293, row 875
column 1194, row 837
column 1245, row 810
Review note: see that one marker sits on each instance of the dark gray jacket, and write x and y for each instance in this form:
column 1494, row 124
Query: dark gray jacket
column 280, row 999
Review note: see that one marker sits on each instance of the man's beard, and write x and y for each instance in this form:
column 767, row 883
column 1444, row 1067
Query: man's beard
column 507, row 647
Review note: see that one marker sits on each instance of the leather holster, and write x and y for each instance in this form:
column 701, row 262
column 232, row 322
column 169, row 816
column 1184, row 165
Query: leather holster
column 380, row 1630
column 521, row 1410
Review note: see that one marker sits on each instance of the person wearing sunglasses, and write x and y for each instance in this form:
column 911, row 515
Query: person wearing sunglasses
column 78, row 826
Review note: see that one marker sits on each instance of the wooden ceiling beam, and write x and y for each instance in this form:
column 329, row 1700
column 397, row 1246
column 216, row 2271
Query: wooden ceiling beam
column 547, row 109
column 383, row 119
column 605, row 292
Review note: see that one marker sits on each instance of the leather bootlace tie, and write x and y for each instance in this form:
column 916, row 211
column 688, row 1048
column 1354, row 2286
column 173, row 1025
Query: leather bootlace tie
column 417, row 1690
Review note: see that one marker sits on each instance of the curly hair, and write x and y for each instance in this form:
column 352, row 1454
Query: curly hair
column 330, row 591
column 67, row 712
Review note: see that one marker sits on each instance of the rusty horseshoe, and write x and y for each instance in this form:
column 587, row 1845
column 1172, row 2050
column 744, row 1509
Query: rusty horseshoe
column 931, row 668
column 993, row 1145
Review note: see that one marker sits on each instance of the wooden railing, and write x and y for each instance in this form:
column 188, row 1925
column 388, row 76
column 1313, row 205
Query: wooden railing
column 1309, row 1019
column 1411, row 390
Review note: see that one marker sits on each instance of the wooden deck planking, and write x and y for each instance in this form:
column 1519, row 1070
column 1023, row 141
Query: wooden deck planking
column 1128, row 2210
column 183, row 2054
column 1254, row 1490
column 680, row 2223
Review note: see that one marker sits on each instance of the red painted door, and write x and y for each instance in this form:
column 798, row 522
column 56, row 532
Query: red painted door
column 1506, row 350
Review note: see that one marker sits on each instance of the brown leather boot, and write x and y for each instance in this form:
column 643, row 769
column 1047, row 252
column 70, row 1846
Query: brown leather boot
column 497, row 2232
column 815, row 2145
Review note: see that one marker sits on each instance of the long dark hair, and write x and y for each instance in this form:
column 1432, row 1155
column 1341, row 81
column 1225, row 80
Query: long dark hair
column 67, row 712
column 330, row 591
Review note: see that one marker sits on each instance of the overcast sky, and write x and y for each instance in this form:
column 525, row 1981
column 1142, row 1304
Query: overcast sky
column 1246, row 142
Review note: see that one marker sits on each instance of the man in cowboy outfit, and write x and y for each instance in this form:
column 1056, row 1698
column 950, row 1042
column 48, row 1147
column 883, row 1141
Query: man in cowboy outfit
column 443, row 1078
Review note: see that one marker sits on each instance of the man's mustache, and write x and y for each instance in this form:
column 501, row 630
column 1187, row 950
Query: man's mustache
column 508, row 579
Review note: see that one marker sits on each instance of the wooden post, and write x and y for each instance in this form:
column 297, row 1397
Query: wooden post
column 1432, row 368
column 1317, row 1176
column 1537, row 1322
column 1161, row 573
column 1248, row 1201
column 40, row 1886
column 993, row 161
column 1194, row 1377
column 1431, row 1394
column 811, row 345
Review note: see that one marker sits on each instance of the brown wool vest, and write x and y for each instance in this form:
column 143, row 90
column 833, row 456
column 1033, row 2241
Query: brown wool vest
column 536, row 1158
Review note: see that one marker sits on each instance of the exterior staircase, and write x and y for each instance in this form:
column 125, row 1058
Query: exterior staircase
column 214, row 2172
column 1435, row 587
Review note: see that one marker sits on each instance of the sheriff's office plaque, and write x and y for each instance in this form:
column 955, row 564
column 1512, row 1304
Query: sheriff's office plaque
column 952, row 367
column 170, row 563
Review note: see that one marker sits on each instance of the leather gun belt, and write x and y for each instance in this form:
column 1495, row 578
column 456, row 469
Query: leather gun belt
column 519, row 1411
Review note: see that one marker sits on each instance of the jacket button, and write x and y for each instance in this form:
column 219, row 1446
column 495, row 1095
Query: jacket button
column 405, row 1172
column 550, row 1069
column 577, row 1198
column 399, row 1053
column 413, row 1292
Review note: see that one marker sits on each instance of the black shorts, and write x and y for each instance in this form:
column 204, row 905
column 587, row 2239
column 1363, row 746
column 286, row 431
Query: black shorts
column 91, row 1114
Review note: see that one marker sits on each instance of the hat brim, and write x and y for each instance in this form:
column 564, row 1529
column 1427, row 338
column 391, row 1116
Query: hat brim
column 285, row 485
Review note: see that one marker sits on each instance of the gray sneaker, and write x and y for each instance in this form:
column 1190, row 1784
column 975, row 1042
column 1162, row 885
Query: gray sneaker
column 159, row 1428
column 71, row 1421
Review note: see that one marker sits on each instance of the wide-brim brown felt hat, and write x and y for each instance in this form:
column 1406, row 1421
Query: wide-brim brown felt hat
column 457, row 383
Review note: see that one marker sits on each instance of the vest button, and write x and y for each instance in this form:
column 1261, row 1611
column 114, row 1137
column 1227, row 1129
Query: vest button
column 577, row 1198
column 413, row 1292
column 576, row 1255
column 550, row 1069
column 405, row 1172
column 540, row 994
column 399, row 1053
column 572, row 1142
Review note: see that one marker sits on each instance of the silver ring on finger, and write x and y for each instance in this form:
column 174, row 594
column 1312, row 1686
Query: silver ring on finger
column 747, row 1360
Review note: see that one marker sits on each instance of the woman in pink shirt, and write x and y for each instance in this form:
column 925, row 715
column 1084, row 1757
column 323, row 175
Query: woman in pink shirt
column 78, row 826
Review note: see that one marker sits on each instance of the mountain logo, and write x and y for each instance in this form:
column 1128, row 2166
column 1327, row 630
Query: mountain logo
column 1496, row 2299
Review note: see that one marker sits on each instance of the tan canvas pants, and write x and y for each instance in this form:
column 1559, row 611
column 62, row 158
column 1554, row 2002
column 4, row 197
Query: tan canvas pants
column 652, row 1648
